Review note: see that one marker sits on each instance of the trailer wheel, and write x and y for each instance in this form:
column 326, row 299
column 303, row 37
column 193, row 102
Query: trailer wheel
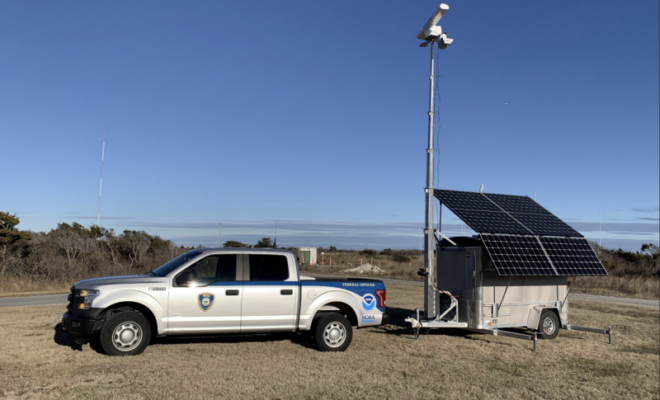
column 332, row 332
column 126, row 333
column 549, row 325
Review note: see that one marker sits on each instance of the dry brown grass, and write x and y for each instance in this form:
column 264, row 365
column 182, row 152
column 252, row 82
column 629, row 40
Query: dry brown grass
column 393, row 270
column 15, row 287
column 622, row 286
column 39, row 293
column 37, row 361
column 643, row 287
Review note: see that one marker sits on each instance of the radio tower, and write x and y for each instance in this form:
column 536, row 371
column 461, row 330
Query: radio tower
column 98, row 214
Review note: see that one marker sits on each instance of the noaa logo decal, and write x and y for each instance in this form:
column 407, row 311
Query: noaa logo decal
column 368, row 301
column 368, row 318
column 205, row 301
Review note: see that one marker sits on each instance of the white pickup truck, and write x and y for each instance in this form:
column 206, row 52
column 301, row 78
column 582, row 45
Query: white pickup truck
column 222, row 291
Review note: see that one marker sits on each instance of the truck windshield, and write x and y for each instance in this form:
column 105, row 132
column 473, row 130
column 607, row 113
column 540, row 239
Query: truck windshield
column 175, row 263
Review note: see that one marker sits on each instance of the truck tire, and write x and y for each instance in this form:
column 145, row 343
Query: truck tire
column 549, row 325
column 126, row 333
column 332, row 332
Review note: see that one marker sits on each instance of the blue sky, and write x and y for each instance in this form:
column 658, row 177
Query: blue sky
column 312, row 116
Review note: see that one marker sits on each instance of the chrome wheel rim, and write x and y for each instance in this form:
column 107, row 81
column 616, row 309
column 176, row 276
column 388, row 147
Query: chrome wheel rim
column 127, row 336
column 549, row 326
column 334, row 334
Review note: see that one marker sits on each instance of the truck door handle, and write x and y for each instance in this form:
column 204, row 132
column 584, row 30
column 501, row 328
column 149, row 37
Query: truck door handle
column 231, row 292
column 286, row 291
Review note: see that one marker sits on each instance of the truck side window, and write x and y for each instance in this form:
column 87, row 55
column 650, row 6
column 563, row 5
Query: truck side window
column 217, row 268
column 268, row 267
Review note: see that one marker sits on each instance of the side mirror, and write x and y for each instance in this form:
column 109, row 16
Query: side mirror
column 185, row 279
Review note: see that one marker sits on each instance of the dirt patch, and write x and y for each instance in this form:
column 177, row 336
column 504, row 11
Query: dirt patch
column 365, row 268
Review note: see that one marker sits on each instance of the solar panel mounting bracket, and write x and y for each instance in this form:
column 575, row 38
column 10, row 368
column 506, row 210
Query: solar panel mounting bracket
column 449, row 240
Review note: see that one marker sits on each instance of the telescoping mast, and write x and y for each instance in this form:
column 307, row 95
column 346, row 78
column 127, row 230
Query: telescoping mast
column 431, row 34
column 514, row 273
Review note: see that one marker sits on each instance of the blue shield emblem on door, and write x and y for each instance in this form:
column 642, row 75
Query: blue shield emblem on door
column 205, row 301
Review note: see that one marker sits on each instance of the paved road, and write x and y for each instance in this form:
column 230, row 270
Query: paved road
column 33, row 300
column 61, row 298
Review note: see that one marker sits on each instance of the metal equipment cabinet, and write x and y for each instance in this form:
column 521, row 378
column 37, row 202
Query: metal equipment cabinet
column 489, row 301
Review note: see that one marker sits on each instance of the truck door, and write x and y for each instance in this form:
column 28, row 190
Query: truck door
column 269, row 294
column 206, row 297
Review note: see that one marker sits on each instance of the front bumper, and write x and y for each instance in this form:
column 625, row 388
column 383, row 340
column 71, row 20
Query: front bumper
column 80, row 326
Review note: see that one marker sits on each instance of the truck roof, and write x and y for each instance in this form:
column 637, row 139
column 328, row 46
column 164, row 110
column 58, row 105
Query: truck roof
column 234, row 249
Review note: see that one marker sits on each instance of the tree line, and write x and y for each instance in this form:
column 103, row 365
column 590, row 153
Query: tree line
column 71, row 252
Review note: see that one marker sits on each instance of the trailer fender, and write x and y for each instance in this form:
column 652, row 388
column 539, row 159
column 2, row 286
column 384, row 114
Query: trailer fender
column 535, row 315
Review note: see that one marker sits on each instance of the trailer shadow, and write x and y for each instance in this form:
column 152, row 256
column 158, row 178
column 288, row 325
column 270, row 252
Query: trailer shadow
column 399, row 327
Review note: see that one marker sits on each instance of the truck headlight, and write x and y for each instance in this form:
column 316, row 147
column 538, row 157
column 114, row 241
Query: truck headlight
column 88, row 296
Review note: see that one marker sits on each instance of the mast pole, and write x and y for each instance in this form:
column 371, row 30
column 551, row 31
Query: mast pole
column 429, row 267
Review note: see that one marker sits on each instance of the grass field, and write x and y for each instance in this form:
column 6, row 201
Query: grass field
column 38, row 360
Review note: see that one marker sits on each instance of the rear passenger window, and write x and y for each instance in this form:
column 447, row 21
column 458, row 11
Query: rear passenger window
column 268, row 267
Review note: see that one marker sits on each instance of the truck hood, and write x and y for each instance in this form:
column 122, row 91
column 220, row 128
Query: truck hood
column 113, row 280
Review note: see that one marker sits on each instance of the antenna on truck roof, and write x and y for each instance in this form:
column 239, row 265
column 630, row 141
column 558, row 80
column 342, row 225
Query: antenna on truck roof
column 98, row 214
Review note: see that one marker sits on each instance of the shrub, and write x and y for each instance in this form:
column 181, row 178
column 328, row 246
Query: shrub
column 400, row 258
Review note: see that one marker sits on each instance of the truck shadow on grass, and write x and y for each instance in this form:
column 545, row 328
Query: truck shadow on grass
column 296, row 338
column 397, row 327
column 65, row 339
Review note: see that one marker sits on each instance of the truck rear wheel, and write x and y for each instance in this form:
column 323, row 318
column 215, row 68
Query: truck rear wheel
column 332, row 332
column 126, row 333
column 549, row 325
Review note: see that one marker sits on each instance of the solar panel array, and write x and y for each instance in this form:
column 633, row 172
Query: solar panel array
column 491, row 222
column 501, row 213
column 542, row 256
column 517, row 255
column 544, row 245
column 572, row 256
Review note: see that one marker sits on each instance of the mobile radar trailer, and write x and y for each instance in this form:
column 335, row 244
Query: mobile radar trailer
column 514, row 273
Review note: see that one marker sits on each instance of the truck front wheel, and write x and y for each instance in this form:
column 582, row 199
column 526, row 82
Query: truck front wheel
column 332, row 332
column 125, row 334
